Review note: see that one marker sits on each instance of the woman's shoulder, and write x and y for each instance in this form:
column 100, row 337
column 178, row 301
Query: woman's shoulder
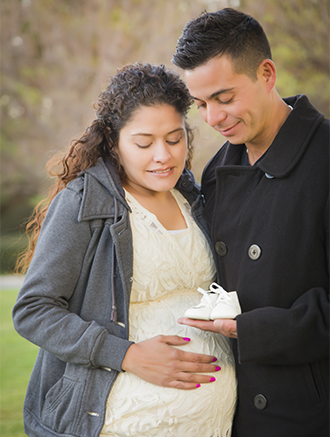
column 76, row 185
column 69, row 198
column 66, row 205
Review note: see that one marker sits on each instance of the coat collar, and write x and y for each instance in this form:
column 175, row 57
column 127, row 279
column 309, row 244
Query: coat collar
column 101, row 183
column 290, row 142
column 292, row 139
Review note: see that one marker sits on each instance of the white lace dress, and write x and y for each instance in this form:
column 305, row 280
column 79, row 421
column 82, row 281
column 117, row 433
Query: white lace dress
column 167, row 269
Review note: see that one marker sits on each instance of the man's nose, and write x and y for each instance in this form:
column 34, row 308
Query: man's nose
column 214, row 116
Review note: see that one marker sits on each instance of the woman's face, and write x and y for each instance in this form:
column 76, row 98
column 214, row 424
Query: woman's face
column 152, row 149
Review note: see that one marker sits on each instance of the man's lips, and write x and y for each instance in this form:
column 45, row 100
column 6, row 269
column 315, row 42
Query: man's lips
column 227, row 130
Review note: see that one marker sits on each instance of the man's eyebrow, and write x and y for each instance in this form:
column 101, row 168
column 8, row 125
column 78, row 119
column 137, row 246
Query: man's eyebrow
column 215, row 94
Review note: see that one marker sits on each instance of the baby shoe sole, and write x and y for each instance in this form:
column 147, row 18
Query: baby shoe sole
column 197, row 314
column 223, row 314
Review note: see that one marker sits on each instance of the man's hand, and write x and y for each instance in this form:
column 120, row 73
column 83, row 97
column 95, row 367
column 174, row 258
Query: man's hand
column 225, row 327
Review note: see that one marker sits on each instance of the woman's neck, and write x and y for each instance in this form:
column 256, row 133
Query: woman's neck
column 163, row 205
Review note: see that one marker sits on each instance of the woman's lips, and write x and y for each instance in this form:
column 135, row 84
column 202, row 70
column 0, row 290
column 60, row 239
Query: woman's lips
column 161, row 171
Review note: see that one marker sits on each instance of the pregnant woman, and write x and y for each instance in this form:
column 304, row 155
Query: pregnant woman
column 117, row 252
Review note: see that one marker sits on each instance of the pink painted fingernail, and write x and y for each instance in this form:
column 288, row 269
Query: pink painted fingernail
column 217, row 368
column 214, row 359
column 198, row 385
column 186, row 339
column 212, row 379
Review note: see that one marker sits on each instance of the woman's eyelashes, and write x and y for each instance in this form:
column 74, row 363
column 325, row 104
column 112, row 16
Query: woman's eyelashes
column 143, row 146
column 171, row 142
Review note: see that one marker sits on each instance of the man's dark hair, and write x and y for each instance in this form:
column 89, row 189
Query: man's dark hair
column 225, row 32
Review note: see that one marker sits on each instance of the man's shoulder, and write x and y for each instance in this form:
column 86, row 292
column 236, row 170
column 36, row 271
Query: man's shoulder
column 221, row 154
column 218, row 159
column 226, row 155
column 321, row 138
column 324, row 126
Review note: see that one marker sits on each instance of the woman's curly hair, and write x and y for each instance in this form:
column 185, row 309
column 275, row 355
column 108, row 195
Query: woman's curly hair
column 133, row 87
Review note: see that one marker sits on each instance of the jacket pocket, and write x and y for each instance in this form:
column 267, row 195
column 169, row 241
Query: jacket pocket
column 315, row 383
column 62, row 402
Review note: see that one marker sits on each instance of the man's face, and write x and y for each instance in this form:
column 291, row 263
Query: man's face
column 234, row 104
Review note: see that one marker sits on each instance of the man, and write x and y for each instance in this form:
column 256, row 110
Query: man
column 267, row 207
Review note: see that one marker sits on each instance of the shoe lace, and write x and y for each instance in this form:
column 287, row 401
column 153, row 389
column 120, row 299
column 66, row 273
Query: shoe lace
column 205, row 301
column 222, row 293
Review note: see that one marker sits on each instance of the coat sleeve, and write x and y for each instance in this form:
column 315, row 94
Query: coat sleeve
column 291, row 336
column 297, row 335
column 41, row 313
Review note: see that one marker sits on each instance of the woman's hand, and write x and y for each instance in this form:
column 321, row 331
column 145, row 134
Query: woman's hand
column 156, row 361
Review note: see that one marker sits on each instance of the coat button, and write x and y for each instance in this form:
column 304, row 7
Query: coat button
column 254, row 252
column 260, row 402
column 220, row 248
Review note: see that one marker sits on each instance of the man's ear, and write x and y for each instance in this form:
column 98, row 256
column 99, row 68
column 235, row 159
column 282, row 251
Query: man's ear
column 267, row 73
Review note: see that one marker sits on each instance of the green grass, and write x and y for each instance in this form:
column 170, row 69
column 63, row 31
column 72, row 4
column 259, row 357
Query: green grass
column 17, row 357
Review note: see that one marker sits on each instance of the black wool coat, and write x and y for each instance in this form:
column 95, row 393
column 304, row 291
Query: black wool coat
column 269, row 226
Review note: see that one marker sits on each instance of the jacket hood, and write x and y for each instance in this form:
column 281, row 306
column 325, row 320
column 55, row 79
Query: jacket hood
column 101, row 184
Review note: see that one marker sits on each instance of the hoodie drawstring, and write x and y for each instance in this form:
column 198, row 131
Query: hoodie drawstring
column 113, row 269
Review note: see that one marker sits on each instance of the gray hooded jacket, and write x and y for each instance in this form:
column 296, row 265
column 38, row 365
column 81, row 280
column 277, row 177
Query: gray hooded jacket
column 75, row 299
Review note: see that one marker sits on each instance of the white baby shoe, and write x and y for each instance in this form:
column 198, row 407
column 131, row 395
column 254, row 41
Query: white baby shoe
column 216, row 303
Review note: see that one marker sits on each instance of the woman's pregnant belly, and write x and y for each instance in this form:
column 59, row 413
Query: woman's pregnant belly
column 138, row 408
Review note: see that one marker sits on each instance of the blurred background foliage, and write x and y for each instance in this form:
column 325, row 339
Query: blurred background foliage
column 56, row 56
